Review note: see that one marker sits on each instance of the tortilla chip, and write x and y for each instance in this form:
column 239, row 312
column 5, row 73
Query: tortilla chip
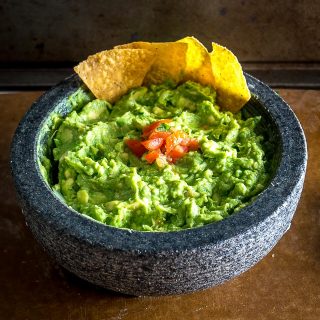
column 169, row 63
column 230, row 83
column 111, row 73
column 198, row 67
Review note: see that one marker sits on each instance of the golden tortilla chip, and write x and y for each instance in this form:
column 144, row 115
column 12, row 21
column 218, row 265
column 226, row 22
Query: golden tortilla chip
column 198, row 66
column 169, row 63
column 111, row 73
column 230, row 83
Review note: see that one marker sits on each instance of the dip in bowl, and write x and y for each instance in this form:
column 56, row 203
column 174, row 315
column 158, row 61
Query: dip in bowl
column 157, row 263
column 162, row 158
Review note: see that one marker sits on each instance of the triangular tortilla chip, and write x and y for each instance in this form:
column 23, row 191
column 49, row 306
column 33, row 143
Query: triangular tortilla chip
column 230, row 83
column 111, row 73
column 169, row 63
column 198, row 66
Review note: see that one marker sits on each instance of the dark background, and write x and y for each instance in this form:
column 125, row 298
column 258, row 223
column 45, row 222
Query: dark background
column 61, row 33
column 277, row 41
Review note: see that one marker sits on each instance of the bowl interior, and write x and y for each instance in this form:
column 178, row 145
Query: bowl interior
column 267, row 127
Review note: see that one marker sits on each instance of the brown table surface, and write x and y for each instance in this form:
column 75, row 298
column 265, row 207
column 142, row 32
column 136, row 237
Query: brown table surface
column 284, row 285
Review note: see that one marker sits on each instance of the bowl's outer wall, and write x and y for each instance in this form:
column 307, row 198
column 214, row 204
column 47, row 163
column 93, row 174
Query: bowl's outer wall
column 141, row 263
column 168, row 272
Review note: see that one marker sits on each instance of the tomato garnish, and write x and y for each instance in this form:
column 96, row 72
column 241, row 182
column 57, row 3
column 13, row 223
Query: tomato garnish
column 159, row 134
column 153, row 126
column 193, row 145
column 178, row 152
column 162, row 146
column 136, row 147
column 153, row 144
column 176, row 138
column 151, row 156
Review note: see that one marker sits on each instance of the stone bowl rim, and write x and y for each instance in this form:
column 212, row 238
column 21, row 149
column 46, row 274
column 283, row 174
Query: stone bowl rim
column 35, row 194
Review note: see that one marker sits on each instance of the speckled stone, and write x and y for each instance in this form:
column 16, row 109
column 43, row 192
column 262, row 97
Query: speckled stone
column 148, row 263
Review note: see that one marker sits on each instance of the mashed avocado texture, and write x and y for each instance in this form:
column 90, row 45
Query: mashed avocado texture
column 99, row 176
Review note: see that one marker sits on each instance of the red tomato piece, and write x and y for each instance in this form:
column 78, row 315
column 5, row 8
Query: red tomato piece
column 185, row 142
column 178, row 152
column 193, row 145
column 136, row 147
column 163, row 146
column 153, row 144
column 153, row 126
column 176, row 138
column 151, row 156
column 159, row 134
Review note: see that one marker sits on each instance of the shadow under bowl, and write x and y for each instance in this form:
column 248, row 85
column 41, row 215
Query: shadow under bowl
column 153, row 263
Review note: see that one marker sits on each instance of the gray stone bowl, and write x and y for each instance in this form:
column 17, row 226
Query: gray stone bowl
column 150, row 263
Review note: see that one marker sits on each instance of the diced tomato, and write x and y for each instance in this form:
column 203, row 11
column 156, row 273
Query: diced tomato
column 163, row 146
column 153, row 144
column 136, row 147
column 153, row 126
column 193, row 145
column 176, row 138
column 151, row 156
column 178, row 152
column 159, row 134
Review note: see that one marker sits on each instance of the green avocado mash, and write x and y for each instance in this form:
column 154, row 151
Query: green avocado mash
column 96, row 173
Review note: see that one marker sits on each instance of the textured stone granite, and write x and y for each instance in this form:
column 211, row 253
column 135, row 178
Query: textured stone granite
column 140, row 263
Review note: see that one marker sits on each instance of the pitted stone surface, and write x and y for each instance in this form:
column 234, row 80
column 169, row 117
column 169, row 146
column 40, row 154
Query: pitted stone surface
column 148, row 263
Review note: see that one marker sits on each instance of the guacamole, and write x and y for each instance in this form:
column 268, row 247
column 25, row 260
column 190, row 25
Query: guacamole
column 90, row 165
